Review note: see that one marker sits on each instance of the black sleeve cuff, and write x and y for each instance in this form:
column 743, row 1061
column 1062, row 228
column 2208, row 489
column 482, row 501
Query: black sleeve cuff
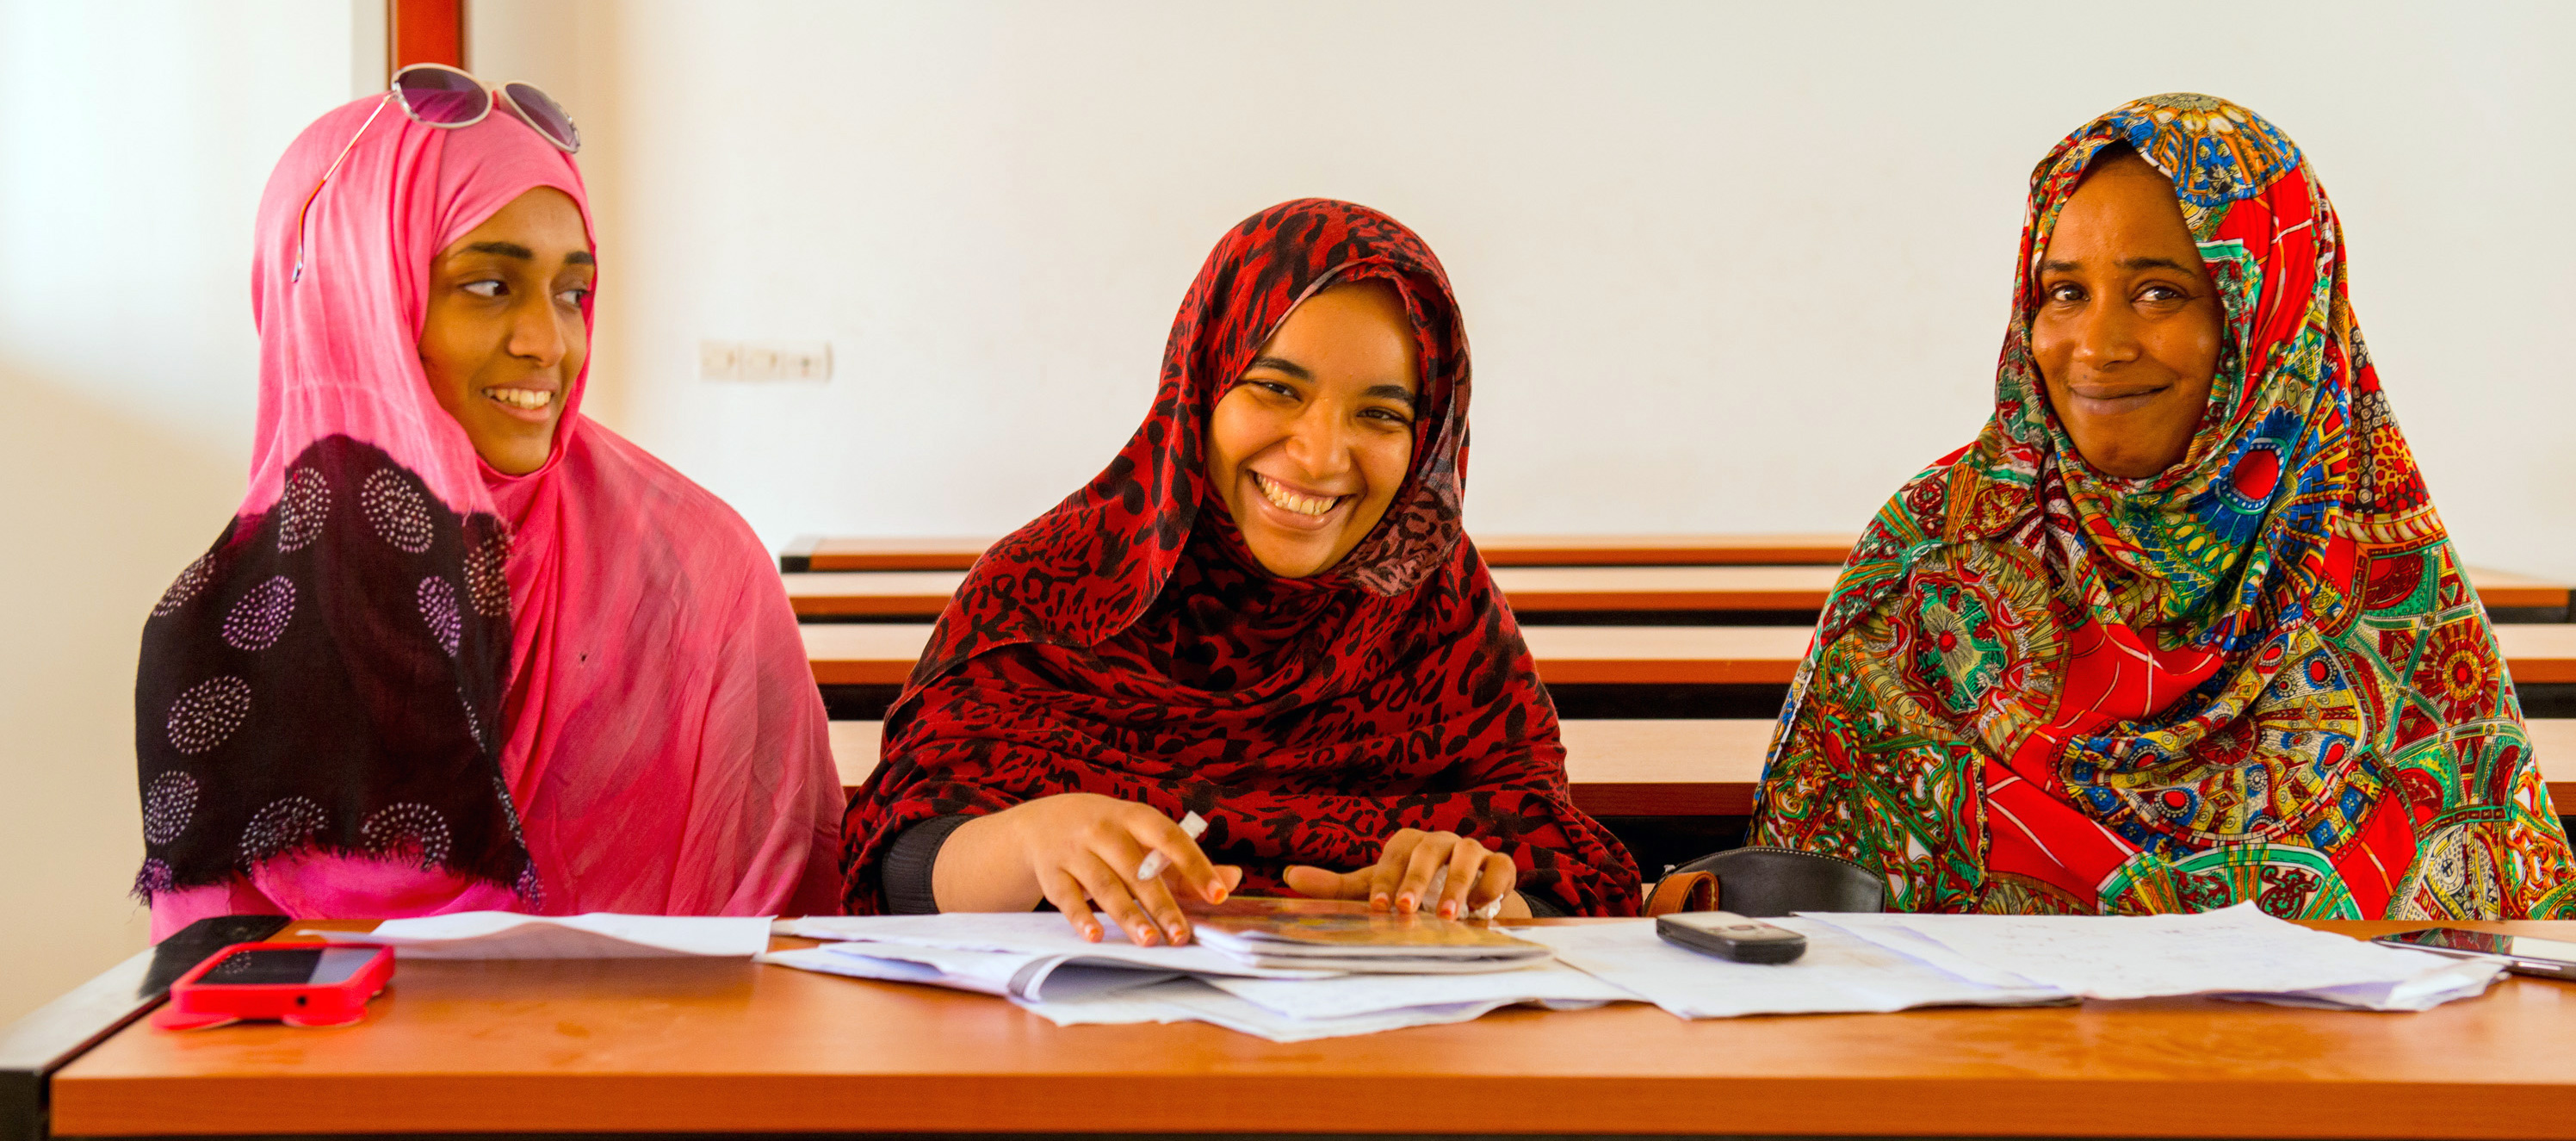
column 1541, row 905
column 905, row 871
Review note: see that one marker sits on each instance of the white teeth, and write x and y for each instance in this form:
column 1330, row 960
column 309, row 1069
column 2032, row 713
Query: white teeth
column 528, row 398
column 1287, row 500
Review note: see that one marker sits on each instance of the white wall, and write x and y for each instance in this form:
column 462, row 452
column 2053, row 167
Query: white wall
column 1726, row 266
column 134, row 139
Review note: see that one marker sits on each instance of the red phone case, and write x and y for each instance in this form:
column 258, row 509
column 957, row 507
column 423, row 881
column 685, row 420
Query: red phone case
column 195, row 1004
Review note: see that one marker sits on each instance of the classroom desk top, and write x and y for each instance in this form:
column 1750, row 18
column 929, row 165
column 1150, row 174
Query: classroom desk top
column 872, row 654
column 923, row 594
column 958, row 553
column 665, row 1046
column 1696, row 767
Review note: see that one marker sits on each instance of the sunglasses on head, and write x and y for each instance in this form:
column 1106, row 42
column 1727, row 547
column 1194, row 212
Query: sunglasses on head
column 436, row 95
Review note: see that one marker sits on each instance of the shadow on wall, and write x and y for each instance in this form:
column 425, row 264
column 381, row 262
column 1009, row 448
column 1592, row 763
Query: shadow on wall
column 104, row 512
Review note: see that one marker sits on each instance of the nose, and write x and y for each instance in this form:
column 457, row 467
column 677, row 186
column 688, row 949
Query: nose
column 537, row 333
column 1319, row 442
column 2106, row 335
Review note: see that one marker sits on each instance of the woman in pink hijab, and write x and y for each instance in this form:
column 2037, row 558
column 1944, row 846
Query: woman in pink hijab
column 463, row 648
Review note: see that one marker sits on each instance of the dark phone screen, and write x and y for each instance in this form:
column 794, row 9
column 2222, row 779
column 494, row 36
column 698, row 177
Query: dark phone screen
column 318, row 966
column 2489, row 943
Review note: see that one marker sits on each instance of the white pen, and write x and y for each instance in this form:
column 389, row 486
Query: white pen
column 1192, row 826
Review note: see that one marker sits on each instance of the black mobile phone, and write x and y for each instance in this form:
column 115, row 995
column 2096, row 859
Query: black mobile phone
column 2522, row 953
column 1730, row 936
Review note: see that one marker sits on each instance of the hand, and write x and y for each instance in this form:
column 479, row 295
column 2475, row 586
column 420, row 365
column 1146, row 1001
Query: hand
column 1079, row 849
column 1470, row 876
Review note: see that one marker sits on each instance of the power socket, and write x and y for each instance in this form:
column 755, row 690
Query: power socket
column 764, row 360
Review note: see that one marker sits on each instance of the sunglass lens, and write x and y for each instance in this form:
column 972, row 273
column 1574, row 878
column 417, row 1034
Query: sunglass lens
column 442, row 98
column 545, row 115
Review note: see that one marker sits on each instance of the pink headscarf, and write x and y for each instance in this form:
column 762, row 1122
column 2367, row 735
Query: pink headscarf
column 661, row 747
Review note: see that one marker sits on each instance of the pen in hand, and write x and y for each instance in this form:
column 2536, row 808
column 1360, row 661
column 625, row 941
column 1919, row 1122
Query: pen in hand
column 1192, row 826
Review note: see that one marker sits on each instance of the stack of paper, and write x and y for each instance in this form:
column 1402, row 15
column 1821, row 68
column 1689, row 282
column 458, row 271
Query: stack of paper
column 1348, row 936
column 2238, row 952
column 1037, row 961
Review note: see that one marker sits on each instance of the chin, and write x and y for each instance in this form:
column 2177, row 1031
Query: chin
column 1290, row 560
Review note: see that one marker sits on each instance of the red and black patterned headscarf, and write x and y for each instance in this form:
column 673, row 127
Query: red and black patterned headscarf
column 1126, row 643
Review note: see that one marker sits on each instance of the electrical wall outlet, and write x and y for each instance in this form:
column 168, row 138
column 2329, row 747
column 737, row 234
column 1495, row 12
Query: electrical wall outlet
column 719, row 360
column 764, row 360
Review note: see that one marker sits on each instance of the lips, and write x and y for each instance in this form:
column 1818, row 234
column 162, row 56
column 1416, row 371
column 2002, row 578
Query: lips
column 1294, row 502
column 2112, row 399
column 523, row 403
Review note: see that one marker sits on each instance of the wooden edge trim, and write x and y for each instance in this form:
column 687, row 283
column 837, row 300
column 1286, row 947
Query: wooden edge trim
column 799, row 555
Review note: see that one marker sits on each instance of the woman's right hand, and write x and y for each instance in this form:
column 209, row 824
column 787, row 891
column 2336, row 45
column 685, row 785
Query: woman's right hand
column 1082, row 850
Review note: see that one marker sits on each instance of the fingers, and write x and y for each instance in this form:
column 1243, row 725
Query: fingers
column 1108, row 889
column 1388, row 873
column 1066, row 894
column 1231, row 876
column 1429, row 857
column 1318, row 883
column 1500, row 874
column 1182, row 857
column 1156, row 899
column 1466, row 867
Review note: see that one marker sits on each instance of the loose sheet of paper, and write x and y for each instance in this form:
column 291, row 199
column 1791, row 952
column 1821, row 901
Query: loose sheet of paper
column 1356, row 995
column 1031, row 933
column 1840, row 973
column 1033, row 977
column 1198, row 1000
column 2235, row 951
column 599, row 935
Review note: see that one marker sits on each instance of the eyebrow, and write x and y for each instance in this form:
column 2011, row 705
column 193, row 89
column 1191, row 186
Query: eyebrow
column 1393, row 392
column 1281, row 364
column 523, row 253
column 2055, row 266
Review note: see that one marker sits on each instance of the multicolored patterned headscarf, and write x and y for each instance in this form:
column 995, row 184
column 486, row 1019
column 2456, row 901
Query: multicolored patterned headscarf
column 2261, row 675
column 1126, row 643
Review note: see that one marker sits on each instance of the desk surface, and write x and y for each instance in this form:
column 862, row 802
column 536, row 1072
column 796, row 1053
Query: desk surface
column 960, row 552
column 1692, row 767
column 703, row 1046
column 868, row 654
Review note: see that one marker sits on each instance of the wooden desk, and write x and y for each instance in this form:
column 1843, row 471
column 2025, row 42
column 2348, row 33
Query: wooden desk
column 1691, row 767
column 1530, row 590
column 813, row 553
column 869, row 654
column 659, row 1046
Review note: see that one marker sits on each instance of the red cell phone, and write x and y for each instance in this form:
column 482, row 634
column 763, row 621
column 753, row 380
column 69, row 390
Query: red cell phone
column 299, row 984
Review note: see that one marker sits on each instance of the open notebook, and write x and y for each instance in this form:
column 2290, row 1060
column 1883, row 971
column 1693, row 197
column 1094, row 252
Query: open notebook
column 1345, row 935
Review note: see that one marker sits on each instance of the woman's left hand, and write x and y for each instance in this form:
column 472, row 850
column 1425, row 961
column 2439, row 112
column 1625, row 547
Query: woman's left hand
column 1402, row 878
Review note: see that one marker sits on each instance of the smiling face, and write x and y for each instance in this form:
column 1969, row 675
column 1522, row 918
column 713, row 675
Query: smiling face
column 504, row 335
column 2127, row 329
column 1309, row 448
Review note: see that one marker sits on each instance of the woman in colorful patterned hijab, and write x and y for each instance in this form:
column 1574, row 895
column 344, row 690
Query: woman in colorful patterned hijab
column 1232, row 620
column 2140, row 649
column 462, row 647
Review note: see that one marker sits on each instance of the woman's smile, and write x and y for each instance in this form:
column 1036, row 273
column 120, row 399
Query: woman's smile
column 532, row 405
column 1297, row 507
column 2113, row 399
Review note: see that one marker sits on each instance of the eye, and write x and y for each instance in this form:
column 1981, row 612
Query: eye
column 2064, row 293
column 2159, row 291
column 1389, row 415
column 1271, row 387
column 573, row 296
column 487, row 287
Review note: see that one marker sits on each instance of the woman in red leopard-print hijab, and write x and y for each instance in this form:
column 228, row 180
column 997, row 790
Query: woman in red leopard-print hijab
column 1263, row 611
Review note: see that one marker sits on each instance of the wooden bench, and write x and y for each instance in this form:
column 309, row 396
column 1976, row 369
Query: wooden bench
column 1530, row 590
column 871, row 654
column 923, row 594
column 1696, row 767
column 813, row 553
